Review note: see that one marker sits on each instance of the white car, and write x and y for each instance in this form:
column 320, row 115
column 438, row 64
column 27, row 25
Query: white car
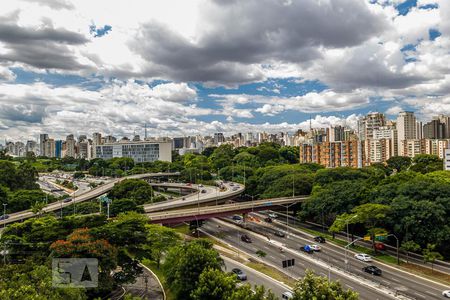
column 273, row 215
column 446, row 293
column 315, row 247
column 363, row 257
column 287, row 295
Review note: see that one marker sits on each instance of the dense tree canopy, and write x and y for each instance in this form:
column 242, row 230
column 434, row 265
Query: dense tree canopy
column 184, row 264
column 316, row 287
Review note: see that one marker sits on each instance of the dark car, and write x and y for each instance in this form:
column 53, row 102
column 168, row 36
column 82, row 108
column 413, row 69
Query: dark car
column 268, row 220
column 319, row 239
column 279, row 233
column 236, row 218
column 372, row 270
column 240, row 274
column 203, row 191
column 4, row 217
column 307, row 249
column 67, row 200
column 246, row 238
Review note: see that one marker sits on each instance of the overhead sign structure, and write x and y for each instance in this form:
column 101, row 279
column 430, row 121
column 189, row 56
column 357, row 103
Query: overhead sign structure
column 288, row 263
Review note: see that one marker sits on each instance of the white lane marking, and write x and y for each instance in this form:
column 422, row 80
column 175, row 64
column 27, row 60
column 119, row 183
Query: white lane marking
column 349, row 286
column 420, row 295
column 430, row 293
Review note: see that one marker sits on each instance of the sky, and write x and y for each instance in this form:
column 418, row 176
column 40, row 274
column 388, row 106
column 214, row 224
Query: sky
column 199, row 67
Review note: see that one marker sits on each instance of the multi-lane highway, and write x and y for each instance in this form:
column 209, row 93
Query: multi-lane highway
column 231, row 235
column 14, row 217
column 392, row 278
column 203, row 194
column 256, row 278
column 188, row 214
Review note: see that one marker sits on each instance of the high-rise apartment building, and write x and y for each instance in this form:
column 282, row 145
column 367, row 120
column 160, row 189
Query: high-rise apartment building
column 59, row 148
column 406, row 129
column 369, row 123
column 434, row 129
column 447, row 159
column 70, row 146
column 42, row 138
column 330, row 154
column 218, row 138
column 49, row 148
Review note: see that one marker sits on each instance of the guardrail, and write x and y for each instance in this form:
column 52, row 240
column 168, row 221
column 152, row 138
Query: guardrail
column 190, row 212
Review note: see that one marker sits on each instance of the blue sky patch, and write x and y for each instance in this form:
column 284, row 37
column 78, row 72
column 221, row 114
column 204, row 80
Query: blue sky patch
column 99, row 31
column 434, row 34
column 404, row 8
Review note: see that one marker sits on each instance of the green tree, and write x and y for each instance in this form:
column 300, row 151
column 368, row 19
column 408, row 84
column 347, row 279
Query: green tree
column 30, row 281
column 38, row 208
column 245, row 292
column 425, row 163
column 370, row 214
column 399, row 163
column 127, row 231
column 8, row 174
column 160, row 239
column 78, row 175
column 430, row 256
column 123, row 205
column 333, row 199
column 136, row 189
column 184, row 264
column 214, row 284
column 290, row 154
column 409, row 246
column 317, row 287
column 24, row 199
column 222, row 156
column 208, row 151
column 80, row 243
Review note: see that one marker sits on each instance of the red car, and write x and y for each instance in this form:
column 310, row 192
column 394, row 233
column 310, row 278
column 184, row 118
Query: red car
column 380, row 246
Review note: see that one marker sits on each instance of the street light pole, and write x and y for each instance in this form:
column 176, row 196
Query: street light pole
column 348, row 239
column 396, row 239
column 4, row 214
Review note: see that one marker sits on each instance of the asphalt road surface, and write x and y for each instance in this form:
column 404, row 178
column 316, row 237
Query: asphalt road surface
column 256, row 278
column 231, row 235
column 393, row 278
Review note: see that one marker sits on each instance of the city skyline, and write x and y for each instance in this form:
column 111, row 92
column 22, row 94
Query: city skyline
column 105, row 70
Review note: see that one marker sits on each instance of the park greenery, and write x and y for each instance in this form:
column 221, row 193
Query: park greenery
column 406, row 197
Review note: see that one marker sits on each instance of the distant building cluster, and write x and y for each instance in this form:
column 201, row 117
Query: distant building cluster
column 375, row 140
column 105, row 147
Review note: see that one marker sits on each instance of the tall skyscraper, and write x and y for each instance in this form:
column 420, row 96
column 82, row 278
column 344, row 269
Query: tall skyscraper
column 369, row 123
column 70, row 146
column 58, row 148
column 42, row 138
column 96, row 138
column 406, row 129
column 218, row 138
column 434, row 129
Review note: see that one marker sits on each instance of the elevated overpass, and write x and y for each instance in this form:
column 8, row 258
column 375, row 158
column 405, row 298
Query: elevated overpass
column 211, row 194
column 91, row 194
column 201, row 213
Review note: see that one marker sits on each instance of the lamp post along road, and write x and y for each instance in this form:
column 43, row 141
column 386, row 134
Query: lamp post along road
column 396, row 239
column 348, row 239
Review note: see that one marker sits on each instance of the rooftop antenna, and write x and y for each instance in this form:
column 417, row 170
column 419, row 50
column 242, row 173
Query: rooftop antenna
column 145, row 134
column 310, row 123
